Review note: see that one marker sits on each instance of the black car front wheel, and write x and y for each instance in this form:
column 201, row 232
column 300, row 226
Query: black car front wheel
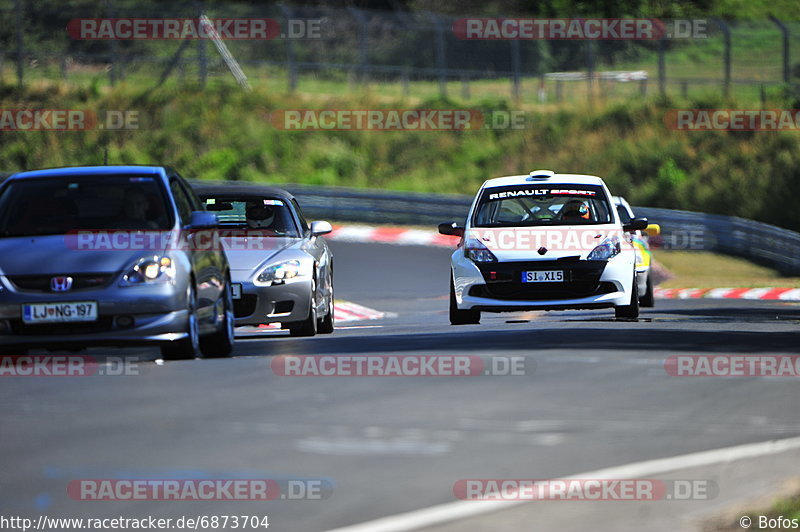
column 461, row 317
column 648, row 299
column 630, row 311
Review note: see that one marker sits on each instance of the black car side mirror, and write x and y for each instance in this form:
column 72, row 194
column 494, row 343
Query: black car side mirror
column 451, row 228
column 637, row 224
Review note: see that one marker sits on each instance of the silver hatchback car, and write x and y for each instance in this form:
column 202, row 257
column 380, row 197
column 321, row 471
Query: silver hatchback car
column 111, row 255
column 282, row 271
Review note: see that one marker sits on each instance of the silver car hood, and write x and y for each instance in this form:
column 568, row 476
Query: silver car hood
column 53, row 255
column 248, row 254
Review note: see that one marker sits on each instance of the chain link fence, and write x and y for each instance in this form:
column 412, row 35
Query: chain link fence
column 416, row 53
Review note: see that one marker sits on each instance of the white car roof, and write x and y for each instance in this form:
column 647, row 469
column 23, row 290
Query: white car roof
column 557, row 179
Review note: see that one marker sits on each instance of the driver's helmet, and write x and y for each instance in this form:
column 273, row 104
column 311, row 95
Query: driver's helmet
column 575, row 210
column 259, row 215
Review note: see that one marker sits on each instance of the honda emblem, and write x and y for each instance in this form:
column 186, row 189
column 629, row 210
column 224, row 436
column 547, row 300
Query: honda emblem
column 60, row 284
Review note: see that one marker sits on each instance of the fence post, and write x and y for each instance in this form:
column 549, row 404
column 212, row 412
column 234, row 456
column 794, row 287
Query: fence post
column 20, row 43
column 726, row 55
column 589, row 70
column 441, row 60
column 362, row 41
column 662, row 66
column 542, row 89
column 202, row 57
column 786, row 71
column 291, row 66
column 405, row 82
column 112, row 72
column 465, row 86
column 515, row 65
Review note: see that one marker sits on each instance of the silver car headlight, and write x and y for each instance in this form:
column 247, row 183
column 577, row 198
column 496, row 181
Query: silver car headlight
column 279, row 273
column 607, row 249
column 155, row 269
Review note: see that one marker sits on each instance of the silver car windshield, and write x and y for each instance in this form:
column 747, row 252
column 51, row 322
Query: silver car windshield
column 56, row 206
column 525, row 206
column 271, row 216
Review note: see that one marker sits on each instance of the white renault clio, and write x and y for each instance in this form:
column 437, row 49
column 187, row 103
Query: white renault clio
column 542, row 241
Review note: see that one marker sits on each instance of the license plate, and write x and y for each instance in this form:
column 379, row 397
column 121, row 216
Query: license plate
column 59, row 312
column 237, row 291
column 550, row 276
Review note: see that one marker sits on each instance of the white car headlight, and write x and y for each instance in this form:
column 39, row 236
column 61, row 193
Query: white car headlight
column 280, row 272
column 155, row 269
column 607, row 249
column 475, row 251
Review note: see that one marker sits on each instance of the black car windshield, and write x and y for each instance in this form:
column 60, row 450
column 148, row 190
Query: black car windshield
column 271, row 216
column 534, row 205
column 60, row 205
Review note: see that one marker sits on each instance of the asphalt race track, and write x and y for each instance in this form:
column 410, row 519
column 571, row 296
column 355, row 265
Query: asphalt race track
column 595, row 394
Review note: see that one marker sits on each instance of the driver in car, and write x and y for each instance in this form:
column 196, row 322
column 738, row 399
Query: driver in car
column 574, row 211
column 135, row 215
column 260, row 216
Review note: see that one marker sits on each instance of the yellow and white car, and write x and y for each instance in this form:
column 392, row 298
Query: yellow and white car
column 641, row 243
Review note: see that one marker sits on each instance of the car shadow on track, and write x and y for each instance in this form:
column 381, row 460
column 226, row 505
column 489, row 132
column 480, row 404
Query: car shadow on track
column 533, row 339
column 771, row 313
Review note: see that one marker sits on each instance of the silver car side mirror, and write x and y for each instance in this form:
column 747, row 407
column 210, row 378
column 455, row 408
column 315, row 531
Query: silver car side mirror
column 319, row 228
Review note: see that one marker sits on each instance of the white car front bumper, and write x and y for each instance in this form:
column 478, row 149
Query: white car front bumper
column 589, row 284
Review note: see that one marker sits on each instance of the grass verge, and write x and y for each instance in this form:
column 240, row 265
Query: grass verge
column 702, row 269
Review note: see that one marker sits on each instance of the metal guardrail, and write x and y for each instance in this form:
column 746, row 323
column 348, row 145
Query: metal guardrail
column 759, row 242
column 692, row 231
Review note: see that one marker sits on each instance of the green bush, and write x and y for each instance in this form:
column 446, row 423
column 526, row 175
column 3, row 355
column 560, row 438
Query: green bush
column 223, row 133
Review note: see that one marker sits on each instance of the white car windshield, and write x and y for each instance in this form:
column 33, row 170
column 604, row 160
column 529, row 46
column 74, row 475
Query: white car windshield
column 532, row 205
